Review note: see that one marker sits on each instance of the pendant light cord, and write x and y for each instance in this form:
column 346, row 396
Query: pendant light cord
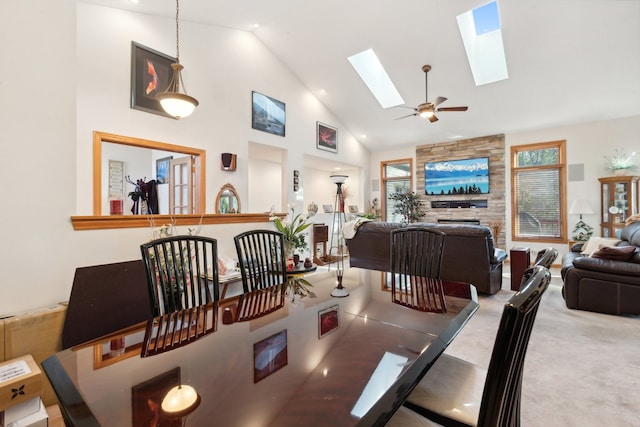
column 177, row 32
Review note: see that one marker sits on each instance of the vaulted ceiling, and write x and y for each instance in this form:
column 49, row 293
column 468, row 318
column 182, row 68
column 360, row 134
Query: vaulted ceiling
column 569, row 61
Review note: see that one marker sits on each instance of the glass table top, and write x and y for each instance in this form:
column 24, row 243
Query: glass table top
column 316, row 361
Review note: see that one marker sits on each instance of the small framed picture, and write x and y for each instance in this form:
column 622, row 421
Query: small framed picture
column 353, row 209
column 269, row 355
column 326, row 137
column 327, row 208
column 162, row 170
column 151, row 74
column 328, row 320
column 268, row 114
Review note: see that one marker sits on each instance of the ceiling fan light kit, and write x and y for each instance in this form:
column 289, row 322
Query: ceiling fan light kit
column 427, row 110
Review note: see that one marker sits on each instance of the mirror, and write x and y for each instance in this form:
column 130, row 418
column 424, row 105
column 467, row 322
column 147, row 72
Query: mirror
column 119, row 162
column 227, row 200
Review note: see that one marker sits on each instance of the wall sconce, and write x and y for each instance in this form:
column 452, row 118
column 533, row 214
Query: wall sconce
column 296, row 180
column 228, row 162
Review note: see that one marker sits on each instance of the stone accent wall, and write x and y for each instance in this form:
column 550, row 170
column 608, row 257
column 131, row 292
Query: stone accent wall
column 487, row 146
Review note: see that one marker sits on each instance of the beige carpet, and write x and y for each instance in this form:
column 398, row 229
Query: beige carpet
column 582, row 368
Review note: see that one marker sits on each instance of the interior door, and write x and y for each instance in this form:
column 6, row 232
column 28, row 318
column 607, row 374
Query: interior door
column 182, row 199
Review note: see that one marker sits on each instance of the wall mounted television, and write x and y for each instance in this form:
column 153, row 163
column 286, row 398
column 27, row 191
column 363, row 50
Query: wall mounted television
column 455, row 177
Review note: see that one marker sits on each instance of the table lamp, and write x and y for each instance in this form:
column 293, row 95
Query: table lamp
column 582, row 231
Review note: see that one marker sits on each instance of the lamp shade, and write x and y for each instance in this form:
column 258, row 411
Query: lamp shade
column 180, row 401
column 579, row 207
column 338, row 179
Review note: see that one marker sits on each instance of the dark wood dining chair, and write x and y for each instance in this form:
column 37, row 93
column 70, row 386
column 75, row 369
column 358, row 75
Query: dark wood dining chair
column 182, row 272
column 454, row 392
column 546, row 257
column 416, row 260
column 179, row 328
column 261, row 259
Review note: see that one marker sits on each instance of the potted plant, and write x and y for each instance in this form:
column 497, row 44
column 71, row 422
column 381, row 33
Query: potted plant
column 294, row 238
column 408, row 205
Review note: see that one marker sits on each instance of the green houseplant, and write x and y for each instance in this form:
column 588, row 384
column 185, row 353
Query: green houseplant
column 408, row 205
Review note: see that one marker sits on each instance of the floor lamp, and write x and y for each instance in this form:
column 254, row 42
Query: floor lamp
column 338, row 220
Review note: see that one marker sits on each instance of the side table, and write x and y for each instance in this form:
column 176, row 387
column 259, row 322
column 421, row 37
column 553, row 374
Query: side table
column 520, row 260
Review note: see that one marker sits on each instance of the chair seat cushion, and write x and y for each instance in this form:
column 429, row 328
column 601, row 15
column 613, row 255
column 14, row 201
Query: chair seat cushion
column 452, row 388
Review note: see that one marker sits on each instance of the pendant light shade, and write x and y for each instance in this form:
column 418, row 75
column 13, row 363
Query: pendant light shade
column 174, row 102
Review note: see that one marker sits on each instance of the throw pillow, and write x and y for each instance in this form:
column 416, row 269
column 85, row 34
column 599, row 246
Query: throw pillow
column 594, row 243
column 622, row 253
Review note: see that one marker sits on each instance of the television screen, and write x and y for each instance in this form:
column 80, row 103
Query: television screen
column 469, row 176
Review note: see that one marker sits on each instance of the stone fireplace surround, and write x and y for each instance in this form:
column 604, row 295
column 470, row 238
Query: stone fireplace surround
column 492, row 147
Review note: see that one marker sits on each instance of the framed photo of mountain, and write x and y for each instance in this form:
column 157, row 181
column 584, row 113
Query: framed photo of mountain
column 268, row 114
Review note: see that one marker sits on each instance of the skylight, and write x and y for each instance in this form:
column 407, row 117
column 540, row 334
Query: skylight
column 373, row 74
column 482, row 37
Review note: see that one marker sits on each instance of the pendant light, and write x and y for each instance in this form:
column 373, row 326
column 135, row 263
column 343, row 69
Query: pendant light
column 173, row 102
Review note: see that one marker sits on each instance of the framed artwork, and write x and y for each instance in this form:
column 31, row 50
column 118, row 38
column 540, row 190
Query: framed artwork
column 151, row 74
column 269, row 355
column 353, row 209
column 327, row 208
column 326, row 137
column 328, row 320
column 267, row 114
column 162, row 170
column 147, row 396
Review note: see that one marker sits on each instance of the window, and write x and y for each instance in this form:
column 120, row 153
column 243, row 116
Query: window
column 538, row 182
column 396, row 177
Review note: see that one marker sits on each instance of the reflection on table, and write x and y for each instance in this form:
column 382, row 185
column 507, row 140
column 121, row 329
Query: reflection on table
column 321, row 361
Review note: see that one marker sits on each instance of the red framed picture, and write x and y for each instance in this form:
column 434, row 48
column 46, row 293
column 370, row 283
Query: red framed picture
column 328, row 320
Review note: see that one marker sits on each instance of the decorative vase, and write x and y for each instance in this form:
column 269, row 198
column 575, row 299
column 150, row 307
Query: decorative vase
column 296, row 260
column 307, row 263
column 619, row 172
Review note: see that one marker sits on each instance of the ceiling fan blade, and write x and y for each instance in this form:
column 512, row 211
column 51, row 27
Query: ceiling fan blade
column 404, row 106
column 404, row 117
column 433, row 118
column 453, row 109
column 439, row 100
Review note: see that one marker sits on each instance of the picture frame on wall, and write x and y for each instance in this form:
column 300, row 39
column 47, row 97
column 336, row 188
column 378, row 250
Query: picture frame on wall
column 268, row 114
column 162, row 170
column 151, row 74
column 326, row 137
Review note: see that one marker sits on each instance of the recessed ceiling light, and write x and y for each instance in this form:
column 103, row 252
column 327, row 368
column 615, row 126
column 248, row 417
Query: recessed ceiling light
column 254, row 26
column 134, row 1
column 373, row 74
column 322, row 92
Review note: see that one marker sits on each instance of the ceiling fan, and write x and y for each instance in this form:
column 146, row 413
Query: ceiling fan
column 428, row 109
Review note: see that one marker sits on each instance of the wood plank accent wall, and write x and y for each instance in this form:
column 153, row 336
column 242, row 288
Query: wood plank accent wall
column 492, row 147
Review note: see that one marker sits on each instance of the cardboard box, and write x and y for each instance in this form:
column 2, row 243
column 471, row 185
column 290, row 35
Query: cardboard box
column 20, row 380
column 19, row 411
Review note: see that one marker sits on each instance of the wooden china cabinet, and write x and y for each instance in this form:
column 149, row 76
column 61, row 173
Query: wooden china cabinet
column 619, row 200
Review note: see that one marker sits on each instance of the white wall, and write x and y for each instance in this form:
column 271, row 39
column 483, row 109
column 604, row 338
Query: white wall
column 47, row 130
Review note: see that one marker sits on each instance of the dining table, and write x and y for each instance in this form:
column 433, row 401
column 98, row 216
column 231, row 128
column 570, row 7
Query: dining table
column 321, row 361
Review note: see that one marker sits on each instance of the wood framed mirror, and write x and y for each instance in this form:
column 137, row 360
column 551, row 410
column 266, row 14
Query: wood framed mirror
column 227, row 200
column 140, row 158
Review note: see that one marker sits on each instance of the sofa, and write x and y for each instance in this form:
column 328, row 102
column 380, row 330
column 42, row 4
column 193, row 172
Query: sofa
column 606, row 280
column 469, row 252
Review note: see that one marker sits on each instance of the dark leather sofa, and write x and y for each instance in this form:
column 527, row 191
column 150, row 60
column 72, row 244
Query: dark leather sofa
column 604, row 285
column 469, row 252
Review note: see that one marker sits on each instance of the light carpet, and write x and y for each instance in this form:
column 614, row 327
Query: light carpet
column 581, row 368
